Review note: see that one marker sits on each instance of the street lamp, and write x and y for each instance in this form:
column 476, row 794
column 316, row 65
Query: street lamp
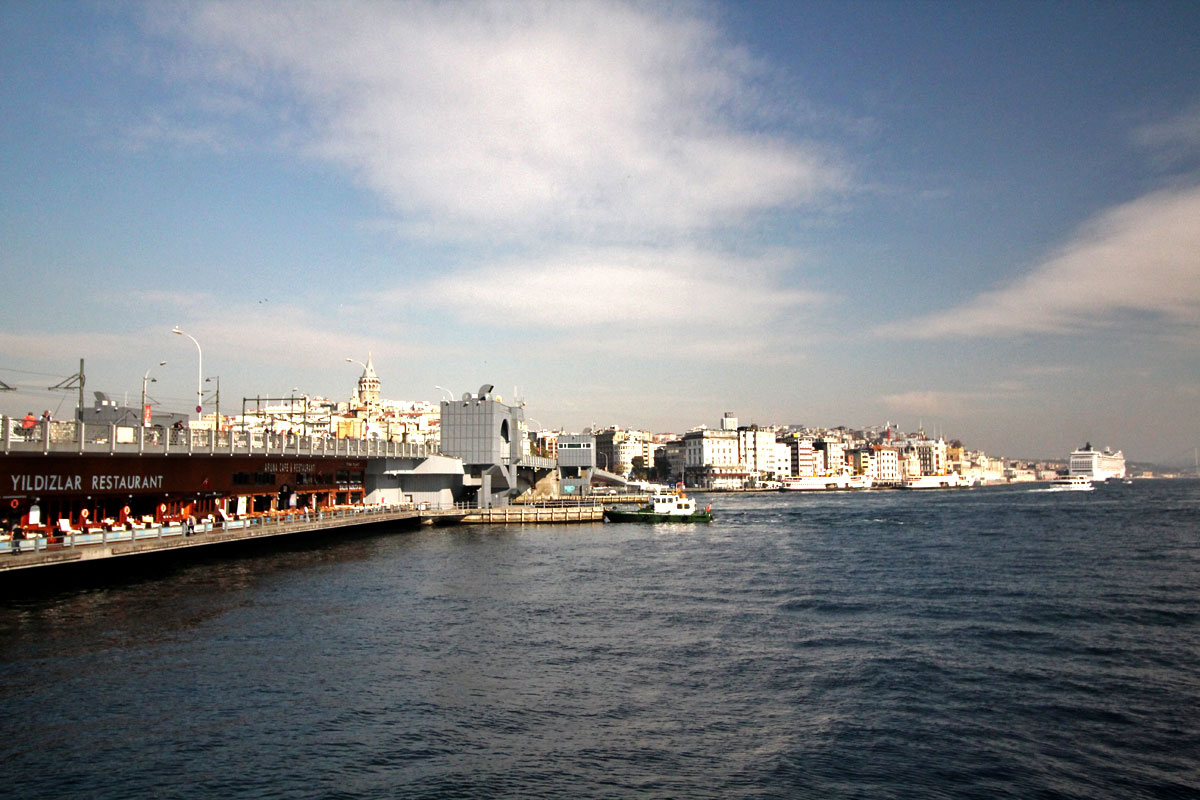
column 199, row 370
column 145, row 379
column 447, row 391
column 356, row 361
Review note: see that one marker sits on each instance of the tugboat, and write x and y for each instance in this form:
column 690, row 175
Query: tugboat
column 663, row 507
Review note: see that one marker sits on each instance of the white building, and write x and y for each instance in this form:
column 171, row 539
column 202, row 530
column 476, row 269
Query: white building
column 711, row 459
column 835, row 454
column 783, row 460
column 886, row 466
column 756, row 450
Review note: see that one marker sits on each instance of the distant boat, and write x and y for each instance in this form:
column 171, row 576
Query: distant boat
column 1072, row 483
column 825, row 483
column 1097, row 465
column 951, row 480
column 664, row 507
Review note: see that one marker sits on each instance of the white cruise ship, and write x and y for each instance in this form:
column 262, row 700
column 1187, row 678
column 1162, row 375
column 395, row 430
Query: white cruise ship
column 1097, row 465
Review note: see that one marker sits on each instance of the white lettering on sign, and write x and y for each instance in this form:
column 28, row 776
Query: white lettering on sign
column 47, row 483
column 287, row 466
column 102, row 483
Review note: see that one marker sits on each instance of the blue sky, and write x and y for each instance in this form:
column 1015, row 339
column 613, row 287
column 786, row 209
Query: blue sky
column 982, row 218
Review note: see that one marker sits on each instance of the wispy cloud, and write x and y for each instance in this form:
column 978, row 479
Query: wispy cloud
column 1172, row 142
column 1139, row 258
column 619, row 287
column 594, row 120
column 706, row 303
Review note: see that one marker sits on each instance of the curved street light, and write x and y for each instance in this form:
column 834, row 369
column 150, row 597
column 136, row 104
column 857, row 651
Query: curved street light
column 447, row 391
column 145, row 379
column 199, row 370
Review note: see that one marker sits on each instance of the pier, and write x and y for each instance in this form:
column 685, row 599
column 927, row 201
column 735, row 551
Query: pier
column 504, row 515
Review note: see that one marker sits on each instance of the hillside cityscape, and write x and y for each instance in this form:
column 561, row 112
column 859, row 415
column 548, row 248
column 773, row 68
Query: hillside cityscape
column 728, row 455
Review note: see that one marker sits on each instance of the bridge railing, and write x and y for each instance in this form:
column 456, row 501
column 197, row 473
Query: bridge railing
column 73, row 436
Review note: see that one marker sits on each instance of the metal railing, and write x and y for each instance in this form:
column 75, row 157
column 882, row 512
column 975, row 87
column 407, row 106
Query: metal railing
column 106, row 438
column 248, row 525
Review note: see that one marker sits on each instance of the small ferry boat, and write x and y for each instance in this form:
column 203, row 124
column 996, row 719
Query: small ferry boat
column 951, row 480
column 1072, row 483
column 663, row 507
column 838, row 482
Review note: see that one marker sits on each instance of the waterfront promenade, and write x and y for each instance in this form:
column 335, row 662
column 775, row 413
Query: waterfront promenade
column 101, row 545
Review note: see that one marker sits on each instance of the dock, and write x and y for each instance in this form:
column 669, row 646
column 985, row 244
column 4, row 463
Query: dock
column 516, row 514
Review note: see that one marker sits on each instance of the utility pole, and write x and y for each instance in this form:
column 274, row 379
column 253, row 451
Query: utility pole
column 78, row 379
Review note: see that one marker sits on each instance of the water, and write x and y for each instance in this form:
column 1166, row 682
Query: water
column 997, row 642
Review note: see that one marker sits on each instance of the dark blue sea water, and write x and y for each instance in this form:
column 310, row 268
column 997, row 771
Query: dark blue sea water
column 998, row 642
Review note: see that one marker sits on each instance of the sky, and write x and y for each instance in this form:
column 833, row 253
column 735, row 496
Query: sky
column 979, row 218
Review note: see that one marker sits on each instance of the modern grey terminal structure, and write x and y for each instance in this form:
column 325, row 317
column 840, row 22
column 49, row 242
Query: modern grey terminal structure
column 489, row 437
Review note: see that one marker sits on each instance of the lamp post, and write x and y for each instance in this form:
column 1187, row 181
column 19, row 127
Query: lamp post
column 145, row 379
column 447, row 391
column 217, row 402
column 199, row 370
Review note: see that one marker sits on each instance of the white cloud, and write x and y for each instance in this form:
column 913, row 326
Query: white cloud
column 1139, row 258
column 928, row 402
column 619, row 287
column 597, row 119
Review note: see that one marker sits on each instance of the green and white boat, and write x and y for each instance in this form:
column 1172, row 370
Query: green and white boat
column 670, row 507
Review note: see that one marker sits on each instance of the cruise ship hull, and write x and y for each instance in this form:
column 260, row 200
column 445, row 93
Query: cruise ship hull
column 951, row 481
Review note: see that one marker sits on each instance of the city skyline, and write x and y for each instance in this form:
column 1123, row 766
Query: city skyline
column 980, row 219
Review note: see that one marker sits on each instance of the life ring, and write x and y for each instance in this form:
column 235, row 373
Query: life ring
column 162, row 507
column 125, row 510
column 83, row 514
column 13, row 503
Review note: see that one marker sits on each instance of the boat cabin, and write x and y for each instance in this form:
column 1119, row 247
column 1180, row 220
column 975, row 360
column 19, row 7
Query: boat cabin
column 677, row 504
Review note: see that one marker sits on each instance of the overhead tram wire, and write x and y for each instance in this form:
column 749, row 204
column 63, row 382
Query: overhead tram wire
column 31, row 372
